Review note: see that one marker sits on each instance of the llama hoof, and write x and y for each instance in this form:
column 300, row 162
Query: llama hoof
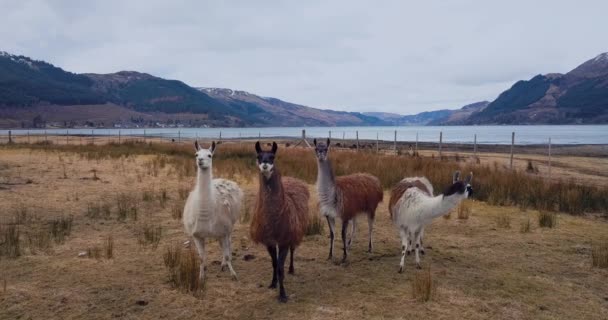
column 291, row 271
column 418, row 266
column 272, row 285
column 283, row 299
column 223, row 268
column 408, row 252
column 422, row 252
column 400, row 270
column 234, row 277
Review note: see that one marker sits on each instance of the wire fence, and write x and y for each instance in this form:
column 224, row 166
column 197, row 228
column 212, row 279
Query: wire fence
column 384, row 142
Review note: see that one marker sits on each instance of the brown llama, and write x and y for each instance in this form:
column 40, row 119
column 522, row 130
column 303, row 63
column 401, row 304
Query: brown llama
column 345, row 197
column 281, row 215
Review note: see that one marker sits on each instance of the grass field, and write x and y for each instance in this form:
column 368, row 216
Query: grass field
column 76, row 206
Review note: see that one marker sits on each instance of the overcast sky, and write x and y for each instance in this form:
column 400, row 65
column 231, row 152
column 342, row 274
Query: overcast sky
column 393, row 56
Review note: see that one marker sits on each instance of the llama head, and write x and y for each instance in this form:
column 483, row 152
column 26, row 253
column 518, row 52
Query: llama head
column 459, row 187
column 265, row 159
column 321, row 150
column 204, row 157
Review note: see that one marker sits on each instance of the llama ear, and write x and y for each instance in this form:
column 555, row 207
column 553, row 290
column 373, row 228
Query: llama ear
column 196, row 145
column 274, row 147
column 314, row 142
column 456, row 176
column 469, row 178
column 212, row 147
column 327, row 143
column 258, row 148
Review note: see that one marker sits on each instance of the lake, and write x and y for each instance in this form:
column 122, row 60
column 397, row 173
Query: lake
column 524, row 135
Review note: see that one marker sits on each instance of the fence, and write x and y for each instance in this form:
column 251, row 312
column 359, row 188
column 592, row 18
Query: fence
column 340, row 139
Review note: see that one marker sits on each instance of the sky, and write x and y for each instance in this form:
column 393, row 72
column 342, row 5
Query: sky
column 391, row 56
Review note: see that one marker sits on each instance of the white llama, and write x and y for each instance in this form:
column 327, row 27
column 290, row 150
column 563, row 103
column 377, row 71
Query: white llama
column 211, row 209
column 412, row 207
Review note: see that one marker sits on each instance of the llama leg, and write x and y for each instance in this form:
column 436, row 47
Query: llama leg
column 292, row 249
column 352, row 233
column 404, row 240
column 344, row 227
column 283, row 250
column 227, row 256
column 272, row 251
column 200, row 247
column 332, row 224
column 417, row 244
column 421, row 237
column 370, row 226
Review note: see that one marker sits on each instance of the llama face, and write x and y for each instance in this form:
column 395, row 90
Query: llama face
column 459, row 187
column 265, row 159
column 204, row 157
column 321, row 150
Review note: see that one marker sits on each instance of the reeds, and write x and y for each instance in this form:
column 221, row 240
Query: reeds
column 423, row 286
column 547, row 219
column 183, row 266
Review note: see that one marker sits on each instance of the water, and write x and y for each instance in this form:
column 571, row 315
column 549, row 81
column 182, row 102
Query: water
column 524, row 135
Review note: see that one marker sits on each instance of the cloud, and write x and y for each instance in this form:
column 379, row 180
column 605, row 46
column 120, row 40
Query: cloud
column 395, row 56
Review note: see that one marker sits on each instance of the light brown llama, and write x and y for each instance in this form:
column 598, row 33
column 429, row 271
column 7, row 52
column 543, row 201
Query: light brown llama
column 345, row 197
column 281, row 215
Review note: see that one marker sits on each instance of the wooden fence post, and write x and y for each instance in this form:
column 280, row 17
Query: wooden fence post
column 512, row 144
column 343, row 135
column 549, row 158
column 440, row 142
column 416, row 149
column 377, row 138
column 395, row 142
column 118, row 136
column 92, row 136
column 28, row 136
column 144, row 135
column 179, row 136
column 220, row 136
column 10, row 137
column 475, row 146
column 67, row 136
column 45, row 137
column 329, row 135
column 357, row 132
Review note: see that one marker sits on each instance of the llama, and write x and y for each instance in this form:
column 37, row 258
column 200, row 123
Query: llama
column 345, row 197
column 412, row 207
column 281, row 215
column 211, row 210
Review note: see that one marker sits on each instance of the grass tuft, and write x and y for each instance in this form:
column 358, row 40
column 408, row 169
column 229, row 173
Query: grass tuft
column 464, row 210
column 423, row 286
column 599, row 254
column 503, row 220
column 108, row 247
column 525, row 226
column 149, row 235
column 183, row 268
column 547, row 219
column 315, row 226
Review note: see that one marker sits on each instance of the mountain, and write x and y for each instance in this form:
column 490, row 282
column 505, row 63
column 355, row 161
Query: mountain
column 30, row 87
column 460, row 116
column 290, row 114
column 579, row 96
column 438, row 117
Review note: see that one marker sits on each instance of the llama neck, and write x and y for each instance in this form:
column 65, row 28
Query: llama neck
column 441, row 205
column 203, row 187
column 271, row 191
column 326, row 180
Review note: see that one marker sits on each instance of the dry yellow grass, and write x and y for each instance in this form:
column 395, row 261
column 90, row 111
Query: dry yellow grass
column 483, row 271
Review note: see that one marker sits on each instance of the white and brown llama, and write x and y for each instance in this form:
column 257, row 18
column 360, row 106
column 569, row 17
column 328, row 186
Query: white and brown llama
column 412, row 207
column 345, row 197
column 281, row 215
column 211, row 210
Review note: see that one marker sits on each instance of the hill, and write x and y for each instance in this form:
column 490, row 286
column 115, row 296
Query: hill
column 30, row 86
column 579, row 96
